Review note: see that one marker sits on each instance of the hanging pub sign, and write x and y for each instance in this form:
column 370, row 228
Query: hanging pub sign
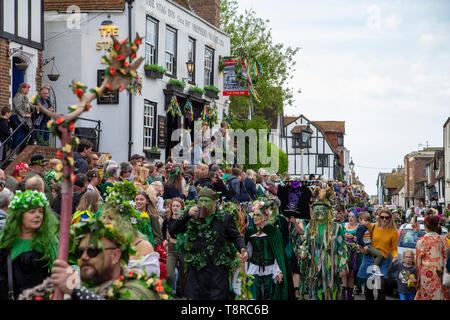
column 161, row 132
column 231, row 85
column 108, row 97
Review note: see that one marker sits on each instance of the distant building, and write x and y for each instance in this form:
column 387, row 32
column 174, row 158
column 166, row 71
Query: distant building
column 320, row 157
column 416, row 175
column 388, row 183
column 447, row 161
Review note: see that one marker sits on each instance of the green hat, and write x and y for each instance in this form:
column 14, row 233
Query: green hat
column 30, row 199
column 208, row 193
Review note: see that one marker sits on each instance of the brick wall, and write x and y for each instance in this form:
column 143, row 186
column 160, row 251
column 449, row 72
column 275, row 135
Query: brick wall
column 5, row 78
column 26, row 154
column 207, row 9
column 38, row 71
column 85, row 5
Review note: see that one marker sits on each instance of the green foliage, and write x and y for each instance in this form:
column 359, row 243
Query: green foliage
column 212, row 88
column 197, row 89
column 176, row 82
column 155, row 67
column 252, row 36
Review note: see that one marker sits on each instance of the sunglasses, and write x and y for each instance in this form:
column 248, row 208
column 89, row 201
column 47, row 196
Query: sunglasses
column 385, row 217
column 91, row 252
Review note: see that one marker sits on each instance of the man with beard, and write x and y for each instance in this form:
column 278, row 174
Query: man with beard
column 209, row 247
column 102, row 254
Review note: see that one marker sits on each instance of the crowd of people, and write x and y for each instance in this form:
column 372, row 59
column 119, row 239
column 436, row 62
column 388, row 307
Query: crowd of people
column 181, row 231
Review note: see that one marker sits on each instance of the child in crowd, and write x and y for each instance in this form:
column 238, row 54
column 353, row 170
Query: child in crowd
column 407, row 275
column 363, row 239
column 54, row 166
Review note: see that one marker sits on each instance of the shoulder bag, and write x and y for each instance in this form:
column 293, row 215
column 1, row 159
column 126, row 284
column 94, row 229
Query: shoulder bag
column 445, row 274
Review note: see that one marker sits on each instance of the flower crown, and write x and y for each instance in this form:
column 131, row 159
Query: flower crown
column 22, row 165
column 267, row 206
column 98, row 230
column 28, row 200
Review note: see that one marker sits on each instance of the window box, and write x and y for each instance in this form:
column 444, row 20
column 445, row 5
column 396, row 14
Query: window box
column 211, row 92
column 175, row 85
column 196, row 92
column 154, row 71
column 152, row 155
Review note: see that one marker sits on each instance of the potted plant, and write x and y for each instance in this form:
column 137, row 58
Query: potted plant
column 154, row 71
column 196, row 92
column 153, row 153
column 211, row 92
column 176, row 85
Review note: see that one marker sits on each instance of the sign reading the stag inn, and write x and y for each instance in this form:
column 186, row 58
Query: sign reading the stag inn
column 106, row 32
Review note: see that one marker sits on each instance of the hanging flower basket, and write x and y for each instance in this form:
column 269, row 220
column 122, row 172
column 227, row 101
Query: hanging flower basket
column 22, row 66
column 53, row 77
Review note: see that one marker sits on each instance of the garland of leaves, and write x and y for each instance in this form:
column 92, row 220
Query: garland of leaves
column 174, row 107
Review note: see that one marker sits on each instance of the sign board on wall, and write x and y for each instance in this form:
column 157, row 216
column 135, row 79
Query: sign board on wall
column 161, row 131
column 108, row 97
column 232, row 87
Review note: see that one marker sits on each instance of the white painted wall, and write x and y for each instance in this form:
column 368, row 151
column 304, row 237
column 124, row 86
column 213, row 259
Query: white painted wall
column 77, row 58
column 447, row 162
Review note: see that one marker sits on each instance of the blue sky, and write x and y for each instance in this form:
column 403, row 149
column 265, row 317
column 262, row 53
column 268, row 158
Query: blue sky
column 381, row 66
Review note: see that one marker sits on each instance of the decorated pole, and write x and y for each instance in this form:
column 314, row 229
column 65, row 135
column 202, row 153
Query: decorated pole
column 118, row 76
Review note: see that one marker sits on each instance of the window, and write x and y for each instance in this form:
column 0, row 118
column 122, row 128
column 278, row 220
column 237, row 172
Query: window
column 209, row 67
column 191, row 56
column 340, row 140
column 171, row 51
column 149, row 125
column 322, row 160
column 151, row 41
column 296, row 140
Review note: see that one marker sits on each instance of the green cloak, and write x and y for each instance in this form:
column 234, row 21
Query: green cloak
column 283, row 290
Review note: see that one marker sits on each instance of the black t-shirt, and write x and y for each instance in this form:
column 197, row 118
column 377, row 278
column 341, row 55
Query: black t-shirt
column 295, row 198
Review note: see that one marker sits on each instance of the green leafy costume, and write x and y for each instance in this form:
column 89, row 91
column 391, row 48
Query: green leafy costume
column 323, row 254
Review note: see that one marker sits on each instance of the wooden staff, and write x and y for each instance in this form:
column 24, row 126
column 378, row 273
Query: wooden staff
column 114, row 81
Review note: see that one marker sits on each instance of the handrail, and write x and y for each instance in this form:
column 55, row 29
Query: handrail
column 32, row 131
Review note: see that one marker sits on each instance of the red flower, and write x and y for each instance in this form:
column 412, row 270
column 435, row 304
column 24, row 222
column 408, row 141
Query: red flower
column 108, row 86
column 88, row 106
column 112, row 71
column 79, row 92
column 121, row 278
column 126, row 63
column 138, row 41
column 133, row 56
column 121, row 89
column 120, row 57
column 73, row 177
column 60, row 120
column 124, row 40
column 429, row 274
column 59, row 154
column 71, row 126
column 130, row 274
column 116, row 47
column 38, row 298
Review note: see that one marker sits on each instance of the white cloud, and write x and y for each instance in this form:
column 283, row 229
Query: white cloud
column 427, row 41
column 393, row 21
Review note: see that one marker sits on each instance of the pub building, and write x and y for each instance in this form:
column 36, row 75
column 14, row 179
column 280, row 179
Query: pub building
column 175, row 37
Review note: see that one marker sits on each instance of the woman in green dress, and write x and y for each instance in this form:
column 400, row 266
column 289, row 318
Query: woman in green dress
column 29, row 241
column 112, row 173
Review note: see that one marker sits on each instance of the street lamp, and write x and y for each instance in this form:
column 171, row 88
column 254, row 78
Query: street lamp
column 306, row 134
column 190, row 66
column 352, row 166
